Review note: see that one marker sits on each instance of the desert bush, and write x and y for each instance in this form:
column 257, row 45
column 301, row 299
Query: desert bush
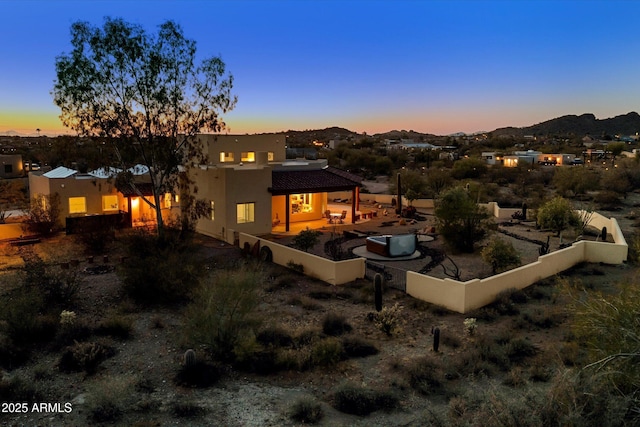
column 12, row 355
column 335, row 324
column 116, row 326
column 543, row 318
column 284, row 282
column 520, row 348
column 389, row 319
column 425, row 376
column 306, row 239
column 24, row 321
column 186, row 409
column 304, row 302
column 198, row 375
column 515, row 378
column 58, row 287
column 352, row 399
column 357, row 347
column 274, row 336
column 224, row 311
column 107, row 398
column 306, row 411
column 43, row 214
column 159, row 271
column 450, row 340
column 321, row 295
column 95, row 240
column 294, row 266
column 500, row 255
column 326, row 352
column 18, row 389
column 85, row 356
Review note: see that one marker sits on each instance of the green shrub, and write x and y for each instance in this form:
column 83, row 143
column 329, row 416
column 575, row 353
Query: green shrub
column 107, row 399
column 224, row 311
column 306, row 410
column 326, row 352
column 352, row 399
column 520, row 348
column 159, row 271
column 357, row 347
column 198, row 375
column 116, row 326
column 274, row 336
column 334, row 324
column 85, row 356
column 424, row 376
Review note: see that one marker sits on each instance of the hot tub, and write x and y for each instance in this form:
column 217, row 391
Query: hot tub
column 392, row 246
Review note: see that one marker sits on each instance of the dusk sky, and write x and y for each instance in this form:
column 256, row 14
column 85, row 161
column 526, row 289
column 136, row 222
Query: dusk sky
column 369, row 66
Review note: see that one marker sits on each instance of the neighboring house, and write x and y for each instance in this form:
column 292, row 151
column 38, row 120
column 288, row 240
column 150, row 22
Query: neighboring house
column 11, row 166
column 93, row 194
column 251, row 187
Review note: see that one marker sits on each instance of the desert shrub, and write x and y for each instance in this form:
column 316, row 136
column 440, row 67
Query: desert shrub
column 306, row 410
column 25, row 323
column 515, row 378
column 450, row 340
column 500, row 255
column 607, row 200
column 274, row 336
column 504, row 305
column 326, row 352
column 306, row 337
column 96, row 240
column 352, row 399
column 298, row 268
column 17, row 389
column 199, row 375
column 490, row 351
column 107, row 398
column 541, row 370
column 12, row 355
column 116, row 326
column 284, row 282
column 335, row 324
column 424, row 376
column 224, row 311
column 85, row 356
column 306, row 239
column 321, row 295
column 43, row 214
column 357, row 347
column 159, row 271
column 543, row 318
column 58, row 287
column 184, row 409
column 520, row 348
column 388, row 320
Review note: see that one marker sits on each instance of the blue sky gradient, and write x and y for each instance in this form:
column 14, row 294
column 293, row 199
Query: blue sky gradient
column 369, row 66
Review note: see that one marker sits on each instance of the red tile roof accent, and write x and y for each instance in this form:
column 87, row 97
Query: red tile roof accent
column 313, row 181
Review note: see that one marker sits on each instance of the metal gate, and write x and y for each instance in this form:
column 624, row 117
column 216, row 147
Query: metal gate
column 394, row 277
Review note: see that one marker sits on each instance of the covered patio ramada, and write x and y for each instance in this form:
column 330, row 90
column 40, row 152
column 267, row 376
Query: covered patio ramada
column 301, row 195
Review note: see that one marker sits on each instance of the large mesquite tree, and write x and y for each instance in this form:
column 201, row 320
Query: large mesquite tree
column 461, row 221
column 146, row 94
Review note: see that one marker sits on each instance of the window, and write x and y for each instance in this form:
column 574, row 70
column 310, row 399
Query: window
column 301, row 203
column 270, row 156
column 245, row 212
column 213, row 210
column 110, row 203
column 226, row 157
column 77, row 205
column 248, row 156
column 8, row 168
column 167, row 200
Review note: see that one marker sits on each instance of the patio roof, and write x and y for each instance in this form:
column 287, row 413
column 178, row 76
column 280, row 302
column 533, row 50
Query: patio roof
column 145, row 188
column 313, row 181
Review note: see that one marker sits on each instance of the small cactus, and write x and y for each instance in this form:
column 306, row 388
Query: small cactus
column 603, row 234
column 436, row 339
column 189, row 358
column 377, row 284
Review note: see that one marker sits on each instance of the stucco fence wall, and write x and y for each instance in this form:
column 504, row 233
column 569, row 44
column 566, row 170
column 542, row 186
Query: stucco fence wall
column 463, row 297
column 332, row 272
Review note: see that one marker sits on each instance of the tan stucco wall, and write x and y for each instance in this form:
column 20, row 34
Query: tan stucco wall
column 15, row 161
column 332, row 272
column 11, row 231
column 244, row 143
column 228, row 186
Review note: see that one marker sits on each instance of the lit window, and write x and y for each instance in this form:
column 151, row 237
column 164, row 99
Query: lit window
column 270, row 156
column 248, row 156
column 177, row 198
column 245, row 212
column 226, row 157
column 213, row 210
column 110, row 203
column 167, row 200
column 77, row 205
column 301, row 203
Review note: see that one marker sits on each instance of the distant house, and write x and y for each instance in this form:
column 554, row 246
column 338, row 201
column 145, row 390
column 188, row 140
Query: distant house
column 11, row 166
column 95, row 193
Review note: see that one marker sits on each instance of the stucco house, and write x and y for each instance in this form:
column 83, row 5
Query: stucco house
column 84, row 195
column 251, row 186
column 11, row 166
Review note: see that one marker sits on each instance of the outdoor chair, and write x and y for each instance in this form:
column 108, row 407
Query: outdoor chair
column 343, row 216
column 327, row 215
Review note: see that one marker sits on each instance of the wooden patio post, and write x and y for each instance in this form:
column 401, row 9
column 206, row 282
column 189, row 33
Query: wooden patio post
column 286, row 210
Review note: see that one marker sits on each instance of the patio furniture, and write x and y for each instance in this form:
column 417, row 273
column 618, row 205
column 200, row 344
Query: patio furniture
column 335, row 217
column 343, row 216
column 327, row 214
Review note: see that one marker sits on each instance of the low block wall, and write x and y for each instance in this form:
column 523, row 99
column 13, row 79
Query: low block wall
column 332, row 272
column 463, row 297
